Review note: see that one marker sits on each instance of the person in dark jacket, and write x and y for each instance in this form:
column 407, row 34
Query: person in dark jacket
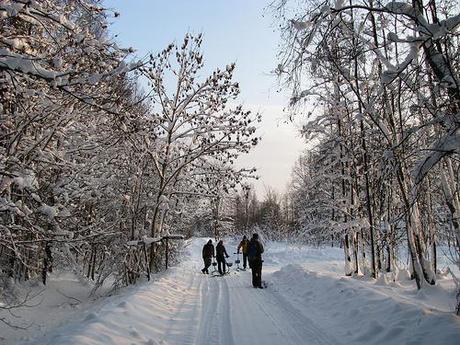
column 208, row 254
column 244, row 249
column 221, row 254
column 255, row 250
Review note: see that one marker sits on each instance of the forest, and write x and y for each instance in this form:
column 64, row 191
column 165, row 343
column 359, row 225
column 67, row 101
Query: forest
column 103, row 155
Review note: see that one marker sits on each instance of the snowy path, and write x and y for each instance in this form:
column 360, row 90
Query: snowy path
column 235, row 313
column 265, row 317
column 299, row 307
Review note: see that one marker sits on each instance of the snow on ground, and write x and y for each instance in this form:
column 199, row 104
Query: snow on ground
column 308, row 301
column 43, row 308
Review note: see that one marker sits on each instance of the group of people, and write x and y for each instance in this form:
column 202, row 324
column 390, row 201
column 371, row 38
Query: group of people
column 252, row 254
column 220, row 254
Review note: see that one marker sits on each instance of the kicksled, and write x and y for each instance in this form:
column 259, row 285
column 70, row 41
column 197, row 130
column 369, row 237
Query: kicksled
column 215, row 272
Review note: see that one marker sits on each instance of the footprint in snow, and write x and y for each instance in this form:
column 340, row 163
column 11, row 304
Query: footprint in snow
column 91, row 316
column 133, row 332
column 123, row 304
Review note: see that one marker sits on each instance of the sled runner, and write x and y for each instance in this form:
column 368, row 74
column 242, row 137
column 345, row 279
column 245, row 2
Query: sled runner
column 237, row 262
column 229, row 264
column 215, row 273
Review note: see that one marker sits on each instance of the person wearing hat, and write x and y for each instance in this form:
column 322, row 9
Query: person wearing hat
column 255, row 250
column 208, row 254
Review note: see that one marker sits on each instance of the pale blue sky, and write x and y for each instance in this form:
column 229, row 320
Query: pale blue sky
column 240, row 31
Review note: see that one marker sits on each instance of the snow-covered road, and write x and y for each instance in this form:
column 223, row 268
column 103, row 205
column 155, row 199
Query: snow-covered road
column 299, row 307
column 235, row 313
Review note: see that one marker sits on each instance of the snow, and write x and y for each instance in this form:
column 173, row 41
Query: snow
column 301, row 25
column 401, row 8
column 12, row 10
column 447, row 144
column 18, row 63
column 48, row 211
column 308, row 301
column 56, row 305
column 145, row 240
column 26, row 180
column 164, row 203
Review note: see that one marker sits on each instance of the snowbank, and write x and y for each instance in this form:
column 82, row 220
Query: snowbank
column 61, row 301
column 361, row 312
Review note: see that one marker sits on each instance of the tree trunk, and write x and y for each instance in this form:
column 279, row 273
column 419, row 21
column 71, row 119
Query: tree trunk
column 346, row 249
column 47, row 262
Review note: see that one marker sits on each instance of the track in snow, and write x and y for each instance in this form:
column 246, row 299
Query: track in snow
column 228, row 311
column 263, row 316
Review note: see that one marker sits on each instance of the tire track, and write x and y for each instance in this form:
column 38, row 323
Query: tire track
column 226, row 331
column 302, row 325
column 262, row 315
column 208, row 299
